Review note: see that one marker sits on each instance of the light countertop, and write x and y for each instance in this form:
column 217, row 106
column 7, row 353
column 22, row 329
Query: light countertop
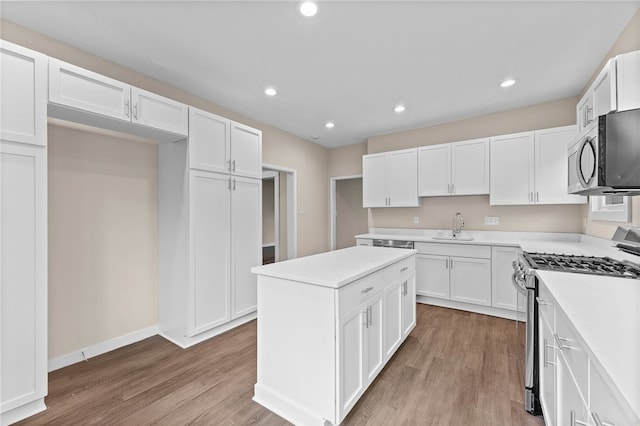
column 334, row 268
column 605, row 311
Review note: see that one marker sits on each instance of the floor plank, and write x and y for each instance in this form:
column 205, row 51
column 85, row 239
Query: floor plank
column 456, row 368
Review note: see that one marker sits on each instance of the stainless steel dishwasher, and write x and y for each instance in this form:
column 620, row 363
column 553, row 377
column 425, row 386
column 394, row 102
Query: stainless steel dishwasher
column 393, row 244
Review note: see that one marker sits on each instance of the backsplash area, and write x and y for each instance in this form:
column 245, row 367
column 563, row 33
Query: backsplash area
column 438, row 212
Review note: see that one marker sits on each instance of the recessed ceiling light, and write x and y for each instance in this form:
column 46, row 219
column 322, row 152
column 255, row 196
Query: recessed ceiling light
column 399, row 108
column 329, row 125
column 508, row 82
column 308, row 8
column 270, row 91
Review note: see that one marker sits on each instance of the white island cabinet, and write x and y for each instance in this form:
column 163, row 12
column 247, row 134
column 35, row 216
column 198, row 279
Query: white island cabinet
column 327, row 325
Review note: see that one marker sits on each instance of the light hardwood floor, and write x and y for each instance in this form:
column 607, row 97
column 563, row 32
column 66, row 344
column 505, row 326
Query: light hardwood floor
column 456, row 368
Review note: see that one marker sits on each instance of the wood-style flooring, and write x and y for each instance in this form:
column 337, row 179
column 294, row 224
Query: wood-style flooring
column 456, row 368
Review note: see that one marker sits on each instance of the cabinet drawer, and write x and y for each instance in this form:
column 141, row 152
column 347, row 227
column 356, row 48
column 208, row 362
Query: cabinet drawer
column 606, row 402
column 400, row 271
column 357, row 292
column 572, row 348
column 460, row 250
column 546, row 306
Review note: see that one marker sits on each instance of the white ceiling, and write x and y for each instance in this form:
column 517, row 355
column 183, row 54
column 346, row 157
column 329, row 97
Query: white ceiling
column 352, row 62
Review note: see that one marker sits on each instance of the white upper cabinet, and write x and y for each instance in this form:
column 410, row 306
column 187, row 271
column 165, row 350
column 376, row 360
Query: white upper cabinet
column 79, row 88
column 531, row 168
column 616, row 88
column 23, row 95
column 209, row 141
column 459, row 168
column 390, row 179
column 220, row 145
column 159, row 112
column 246, row 151
column 87, row 91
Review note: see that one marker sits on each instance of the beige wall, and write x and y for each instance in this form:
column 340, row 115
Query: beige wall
column 346, row 160
column 628, row 41
column 351, row 217
column 268, row 212
column 103, row 238
column 279, row 148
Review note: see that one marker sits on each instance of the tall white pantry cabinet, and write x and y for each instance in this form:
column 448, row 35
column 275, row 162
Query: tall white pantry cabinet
column 210, row 210
column 23, row 232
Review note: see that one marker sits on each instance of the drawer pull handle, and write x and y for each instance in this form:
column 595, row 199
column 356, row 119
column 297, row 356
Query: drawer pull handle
column 596, row 419
column 573, row 421
column 366, row 290
column 542, row 301
column 561, row 345
column 406, row 268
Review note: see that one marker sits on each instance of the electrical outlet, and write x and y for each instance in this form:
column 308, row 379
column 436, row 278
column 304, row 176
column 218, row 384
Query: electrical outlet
column 491, row 220
column 416, row 219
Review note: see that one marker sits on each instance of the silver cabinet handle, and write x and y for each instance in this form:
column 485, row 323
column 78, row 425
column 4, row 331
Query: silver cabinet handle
column 561, row 345
column 369, row 316
column 453, row 188
column 573, row 421
column 545, row 358
column 135, row 110
column 229, row 184
column 587, row 111
column 404, row 269
column 451, row 264
column 233, row 169
column 234, row 184
column 366, row 290
column 126, row 108
column 537, row 197
column 389, row 200
column 596, row 419
column 229, row 164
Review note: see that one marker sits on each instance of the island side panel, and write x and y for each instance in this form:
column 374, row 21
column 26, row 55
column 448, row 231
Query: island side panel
column 296, row 350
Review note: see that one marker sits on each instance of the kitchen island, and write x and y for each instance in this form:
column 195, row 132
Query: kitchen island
column 327, row 325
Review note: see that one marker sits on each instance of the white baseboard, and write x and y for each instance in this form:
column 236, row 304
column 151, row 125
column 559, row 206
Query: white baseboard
column 101, row 348
column 486, row 310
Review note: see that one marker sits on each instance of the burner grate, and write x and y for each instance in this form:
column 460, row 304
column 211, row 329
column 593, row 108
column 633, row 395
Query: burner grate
column 583, row 264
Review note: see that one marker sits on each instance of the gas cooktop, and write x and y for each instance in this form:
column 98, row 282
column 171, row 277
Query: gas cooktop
column 583, row 264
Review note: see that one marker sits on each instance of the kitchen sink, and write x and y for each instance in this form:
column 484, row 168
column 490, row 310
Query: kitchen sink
column 452, row 238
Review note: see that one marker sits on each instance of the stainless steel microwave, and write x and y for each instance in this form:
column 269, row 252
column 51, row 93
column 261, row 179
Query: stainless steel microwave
column 606, row 160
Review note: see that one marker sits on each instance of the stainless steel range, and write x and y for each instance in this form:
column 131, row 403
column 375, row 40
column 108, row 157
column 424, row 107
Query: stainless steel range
column 526, row 283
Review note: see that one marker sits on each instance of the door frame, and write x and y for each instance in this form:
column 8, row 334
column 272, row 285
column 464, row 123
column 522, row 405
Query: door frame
column 268, row 175
column 292, row 220
column 332, row 206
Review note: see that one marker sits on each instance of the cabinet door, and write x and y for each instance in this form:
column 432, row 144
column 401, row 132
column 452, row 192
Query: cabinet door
column 604, row 90
column 512, row 169
column 209, row 234
column 246, row 151
column 547, row 359
column 158, row 112
column 628, row 80
column 209, row 141
column 23, row 95
column 409, row 306
column 503, row 294
column 470, row 167
column 432, row 275
column 246, row 243
column 351, row 355
column 470, row 280
column 434, row 170
column 606, row 402
column 402, row 178
column 79, row 88
column 551, row 169
column 571, row 408
column 393, row 298
column 374, row 180
column 374, row 338
column 23, row 266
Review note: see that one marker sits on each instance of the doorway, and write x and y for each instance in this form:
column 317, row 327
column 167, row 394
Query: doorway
column 348, row 217
column 279, row 227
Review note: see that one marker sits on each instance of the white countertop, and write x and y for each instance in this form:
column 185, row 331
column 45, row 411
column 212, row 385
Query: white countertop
column 605, row 312
column 334, row 268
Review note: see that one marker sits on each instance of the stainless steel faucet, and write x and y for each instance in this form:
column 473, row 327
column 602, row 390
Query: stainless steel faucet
column 458, row 224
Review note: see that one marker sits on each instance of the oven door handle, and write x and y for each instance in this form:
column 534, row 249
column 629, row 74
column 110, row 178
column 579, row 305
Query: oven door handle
column 520, row 287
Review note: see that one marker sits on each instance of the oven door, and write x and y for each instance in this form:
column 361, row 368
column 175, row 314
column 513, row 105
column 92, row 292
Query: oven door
column 583, row 163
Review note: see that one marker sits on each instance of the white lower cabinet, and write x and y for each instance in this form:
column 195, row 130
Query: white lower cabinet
column 351, row 332
column 456, row 272
column 503, row 294
column 574, row 390
column 23, row 291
